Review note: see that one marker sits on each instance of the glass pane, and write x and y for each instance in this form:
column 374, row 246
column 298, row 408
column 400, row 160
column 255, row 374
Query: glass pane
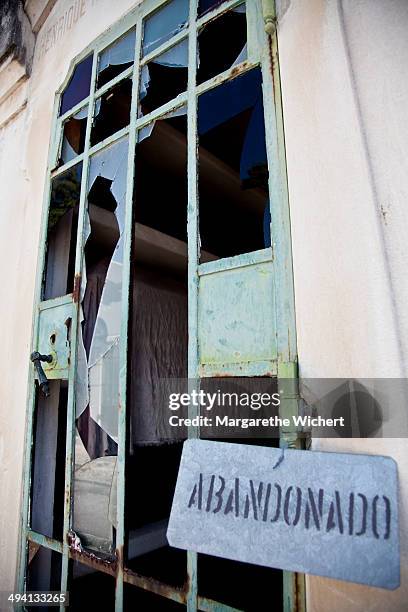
column 164, row 78
column 233, row 170
column 48, row 477
column 73, row 138
column 97, row 382
column 116, row 58
column 79, row 85
column 61, row 233
column 222, row 44
column 164, row 24
column 112, row 111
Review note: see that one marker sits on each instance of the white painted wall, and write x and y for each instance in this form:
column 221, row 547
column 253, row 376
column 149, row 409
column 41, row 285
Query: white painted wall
column 345, row 100
column 345, row 96
column 24, row 143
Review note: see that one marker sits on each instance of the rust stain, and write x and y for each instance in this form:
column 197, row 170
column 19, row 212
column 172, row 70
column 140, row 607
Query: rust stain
column 222, row 375
column 110, row 566
column 273, row 66
column 119, row 555
column 155, row 586
column 33, row 548
column 77, row 287
column 91, row 560
column 238, row 69
column 76, row 552
column 234, row 72
column 49, row 542
column 299, row 593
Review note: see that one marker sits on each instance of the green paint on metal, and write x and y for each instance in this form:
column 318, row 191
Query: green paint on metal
column 54, row 337
column 120, row 503
column 44, row 541
column 79, row 258
column 193, row 258
column 25, row 504
column 165, row 46
column 239, row 261
column 236, row 316
column 120, row 77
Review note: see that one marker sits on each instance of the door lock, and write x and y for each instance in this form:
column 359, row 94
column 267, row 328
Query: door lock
column 37, row 358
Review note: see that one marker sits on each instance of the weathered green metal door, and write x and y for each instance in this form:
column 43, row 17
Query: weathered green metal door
column 238, row 264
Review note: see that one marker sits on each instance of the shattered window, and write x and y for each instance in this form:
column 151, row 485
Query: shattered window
column 73, row 138
column 222, row 44
column 112, row 111
column 164, row 24
column 116, row 58
column 164, row 78
column 157, row 343
column 233, row 169
column 78, row 87
column 97, row 384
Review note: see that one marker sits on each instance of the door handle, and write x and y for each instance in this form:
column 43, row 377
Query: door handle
column 37, row 358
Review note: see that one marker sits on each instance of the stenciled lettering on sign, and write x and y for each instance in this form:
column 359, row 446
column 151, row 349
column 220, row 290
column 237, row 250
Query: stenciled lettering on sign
column 328, row 514
column 354, row 514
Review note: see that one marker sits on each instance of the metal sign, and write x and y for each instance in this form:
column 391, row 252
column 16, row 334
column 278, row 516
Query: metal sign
column 329, row 514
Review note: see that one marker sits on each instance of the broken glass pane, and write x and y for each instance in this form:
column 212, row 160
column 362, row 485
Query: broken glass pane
column 73, row 138
column 61, row 233
column 164, row 78
column 157, row 344
column 79, row 85
column 164, row 24
column 116, row 58
column 112, row 111
column 233, row 169
column 97, row 380
column 155, row 141
column 222, row 44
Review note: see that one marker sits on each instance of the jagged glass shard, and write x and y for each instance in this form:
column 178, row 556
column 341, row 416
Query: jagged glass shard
column 222, row 44
column 112, row 111
column 164, row 78
column 116, row 58
column 73, row 139
column 164, row 24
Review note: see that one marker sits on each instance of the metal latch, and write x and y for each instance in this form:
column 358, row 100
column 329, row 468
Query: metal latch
column 37, row 358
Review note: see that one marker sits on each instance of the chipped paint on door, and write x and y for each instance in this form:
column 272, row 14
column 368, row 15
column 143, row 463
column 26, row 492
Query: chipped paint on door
column 236, row 321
